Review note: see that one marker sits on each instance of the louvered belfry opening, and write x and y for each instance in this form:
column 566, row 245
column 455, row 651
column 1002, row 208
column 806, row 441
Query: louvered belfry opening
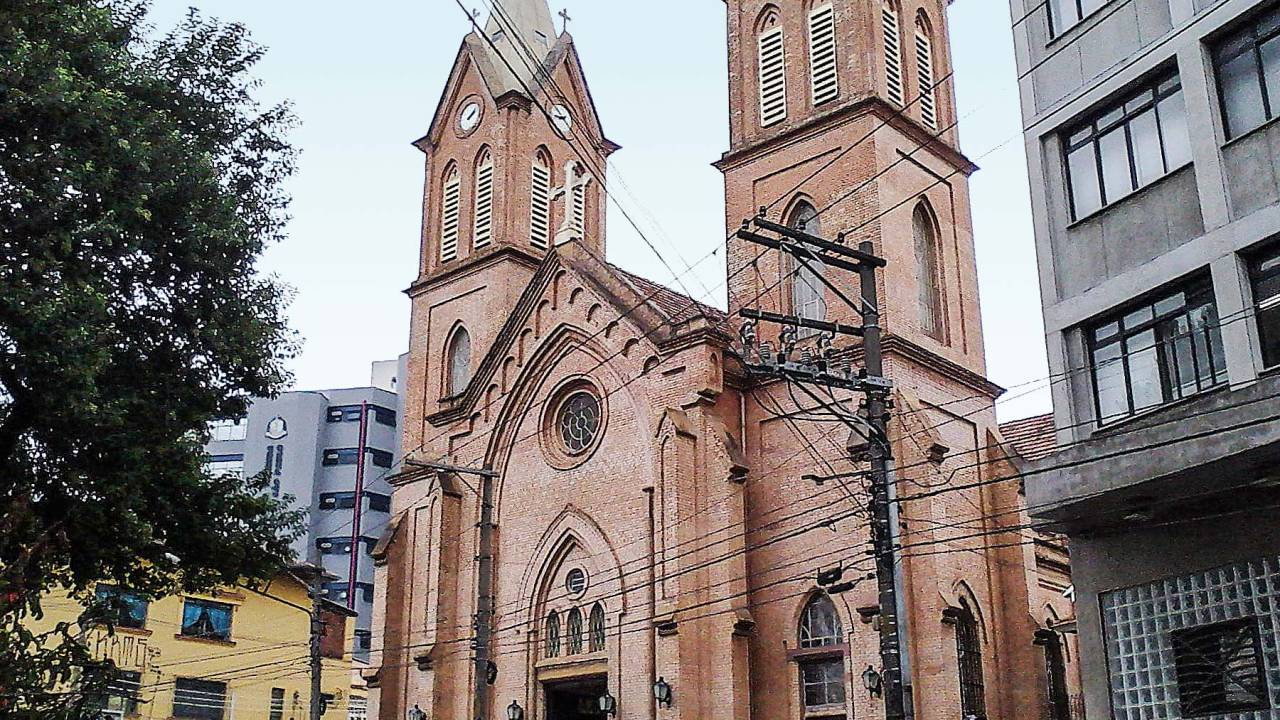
column 484, row 201
column 451, row 210
column 892, row 51
column 924, row 76
column 822, row 54
column 540, row 202
column 773, row 74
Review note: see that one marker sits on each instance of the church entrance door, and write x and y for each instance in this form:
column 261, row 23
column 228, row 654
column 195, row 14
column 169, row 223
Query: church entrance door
column 577, row 699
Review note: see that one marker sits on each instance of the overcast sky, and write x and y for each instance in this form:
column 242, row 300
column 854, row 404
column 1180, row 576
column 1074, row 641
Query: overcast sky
column 365, row 78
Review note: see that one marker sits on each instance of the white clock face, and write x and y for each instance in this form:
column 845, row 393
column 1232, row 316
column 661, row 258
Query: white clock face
column 562, row 119
column 469, row 118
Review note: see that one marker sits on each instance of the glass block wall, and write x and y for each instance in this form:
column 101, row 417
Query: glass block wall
column 1138, row 623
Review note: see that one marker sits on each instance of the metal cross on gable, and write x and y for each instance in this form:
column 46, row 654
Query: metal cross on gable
column 564, row 15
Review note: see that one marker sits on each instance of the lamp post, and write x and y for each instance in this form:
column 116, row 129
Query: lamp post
column 662, row 692
column 514, row 711
column 417, row 714
column 872, row 681
column 608, row 705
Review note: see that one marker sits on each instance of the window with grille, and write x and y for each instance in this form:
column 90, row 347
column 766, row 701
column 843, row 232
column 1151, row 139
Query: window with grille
column 450, row 216
column 773, row 78
column 892, row 51
column 121, row 697
column 1265, row 273
column 973, row 701
column 199, row 699
column 484, row 201
column 1164, row 349
column 597, row 628
column 540, row 203
column 808, row 294
column 122, row 608
column 277, row 704
column 1055, row 663
column 552, row 640
column 924, row 77
column 819, row 625
column 822, row 667
column 459, row 362
column 822, row 54
column 1127, row 145
column 574, row 631
column 1248, row 69
column 1220, row 668
column 929, row 274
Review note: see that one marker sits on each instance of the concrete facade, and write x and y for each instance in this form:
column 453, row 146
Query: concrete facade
column 1136, row 490
column 681, row 517
column 308, row 427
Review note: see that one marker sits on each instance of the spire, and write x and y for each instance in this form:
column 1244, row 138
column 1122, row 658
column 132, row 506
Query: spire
column 524, row 35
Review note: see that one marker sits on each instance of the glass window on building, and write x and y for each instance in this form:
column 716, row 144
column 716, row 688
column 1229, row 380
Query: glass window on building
column 225, row 430
column 379, row 502
column 199, row 699
column 1247, row 63
column 1265, row 273
column 1066, row 14
column 1127, row 145
column 337, row 501
column 206, row 619
column 1163, row 350
column 122, row 696
column 219, row 465
column 122, row 609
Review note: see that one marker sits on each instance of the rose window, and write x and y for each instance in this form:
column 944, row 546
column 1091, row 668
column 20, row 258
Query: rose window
column 579, row 422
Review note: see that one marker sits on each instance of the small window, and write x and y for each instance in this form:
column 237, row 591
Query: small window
column 822, row 684
column 206, row 620
column 334, row 545
column 1126, row 146
column 575, row 631
column 598, row 623
column 808, row 293
column 1055, row 675
column 1247, row 63
column 344, row 413
column 1065, row 14
column 383, row 416
column 820, row 625
column 484, row 201
column 579, row 422
column 929, row 274
column 1220, row 669
column 823, row 67
column 459, row 363
column 337, row 501
column 1163, row 350
column 219, row 465
column 1265, row 272
column 277, row 704
column 973, row 693
column 451, row 215
column 275, row 460
column 892, row 30
column 121, row 608
column 540, row 202
column 199, row 699
column 379, row 502
column 552, row 640
column 227, row 430
column 340, row 456
column 773, row 77
column 121, row 699
column 925, row 77
column 340, row 592
column 575, row 582
column 380, row 458
column 364, row 640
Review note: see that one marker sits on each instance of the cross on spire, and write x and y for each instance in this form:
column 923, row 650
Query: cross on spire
column 564, row 15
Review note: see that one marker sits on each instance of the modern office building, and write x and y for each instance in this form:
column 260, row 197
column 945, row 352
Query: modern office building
column 1154, row 157
column 311, row 443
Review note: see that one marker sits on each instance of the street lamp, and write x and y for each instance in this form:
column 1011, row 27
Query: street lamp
column 608, row 705
column 662, row 692
column 417, row 714
column 514, row 711
column 872, row 681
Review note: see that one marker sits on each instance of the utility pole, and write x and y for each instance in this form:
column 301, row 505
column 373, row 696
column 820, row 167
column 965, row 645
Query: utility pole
column 317, row 631
column 828, row 366
column 484, row 668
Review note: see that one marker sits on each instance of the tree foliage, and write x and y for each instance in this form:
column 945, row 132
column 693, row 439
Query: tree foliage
column 139, row 183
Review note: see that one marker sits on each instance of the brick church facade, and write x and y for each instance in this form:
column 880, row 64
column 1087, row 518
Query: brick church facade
column 652, row 519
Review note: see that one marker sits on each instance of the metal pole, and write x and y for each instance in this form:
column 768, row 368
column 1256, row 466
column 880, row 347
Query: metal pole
column 317, row 630
column 882, row 522
column 353, row 568
column 484, row 601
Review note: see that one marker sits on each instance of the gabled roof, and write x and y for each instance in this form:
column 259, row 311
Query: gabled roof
column 1032, row 438
column 676, row 306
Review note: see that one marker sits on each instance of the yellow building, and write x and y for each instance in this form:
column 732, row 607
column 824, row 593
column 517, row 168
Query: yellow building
column 235, row 654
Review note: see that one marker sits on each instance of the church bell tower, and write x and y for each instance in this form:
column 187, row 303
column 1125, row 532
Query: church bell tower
column 842, row 122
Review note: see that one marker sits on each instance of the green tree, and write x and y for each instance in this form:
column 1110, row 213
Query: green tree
column 139, row 183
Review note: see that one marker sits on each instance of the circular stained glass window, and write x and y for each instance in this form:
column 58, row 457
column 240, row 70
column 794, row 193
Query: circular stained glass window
column 575, row 582
column 579, row 421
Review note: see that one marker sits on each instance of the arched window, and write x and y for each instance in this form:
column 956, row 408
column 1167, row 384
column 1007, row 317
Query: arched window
column 459, row 358
column 892, row 50
column 973, row 700
column 484, row 200
column 808, row 294
column 772, row 69
column 924, row 73
column 822, row 673
column 1055, row 674
column 450, row 214
column 929, row 273
column 597, row 628
column 540, row 201
column 822, row 53
column 574, row 631
column 553, row 635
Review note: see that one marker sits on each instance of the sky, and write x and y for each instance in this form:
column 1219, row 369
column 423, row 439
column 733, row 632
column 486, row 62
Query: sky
column 365, row 78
